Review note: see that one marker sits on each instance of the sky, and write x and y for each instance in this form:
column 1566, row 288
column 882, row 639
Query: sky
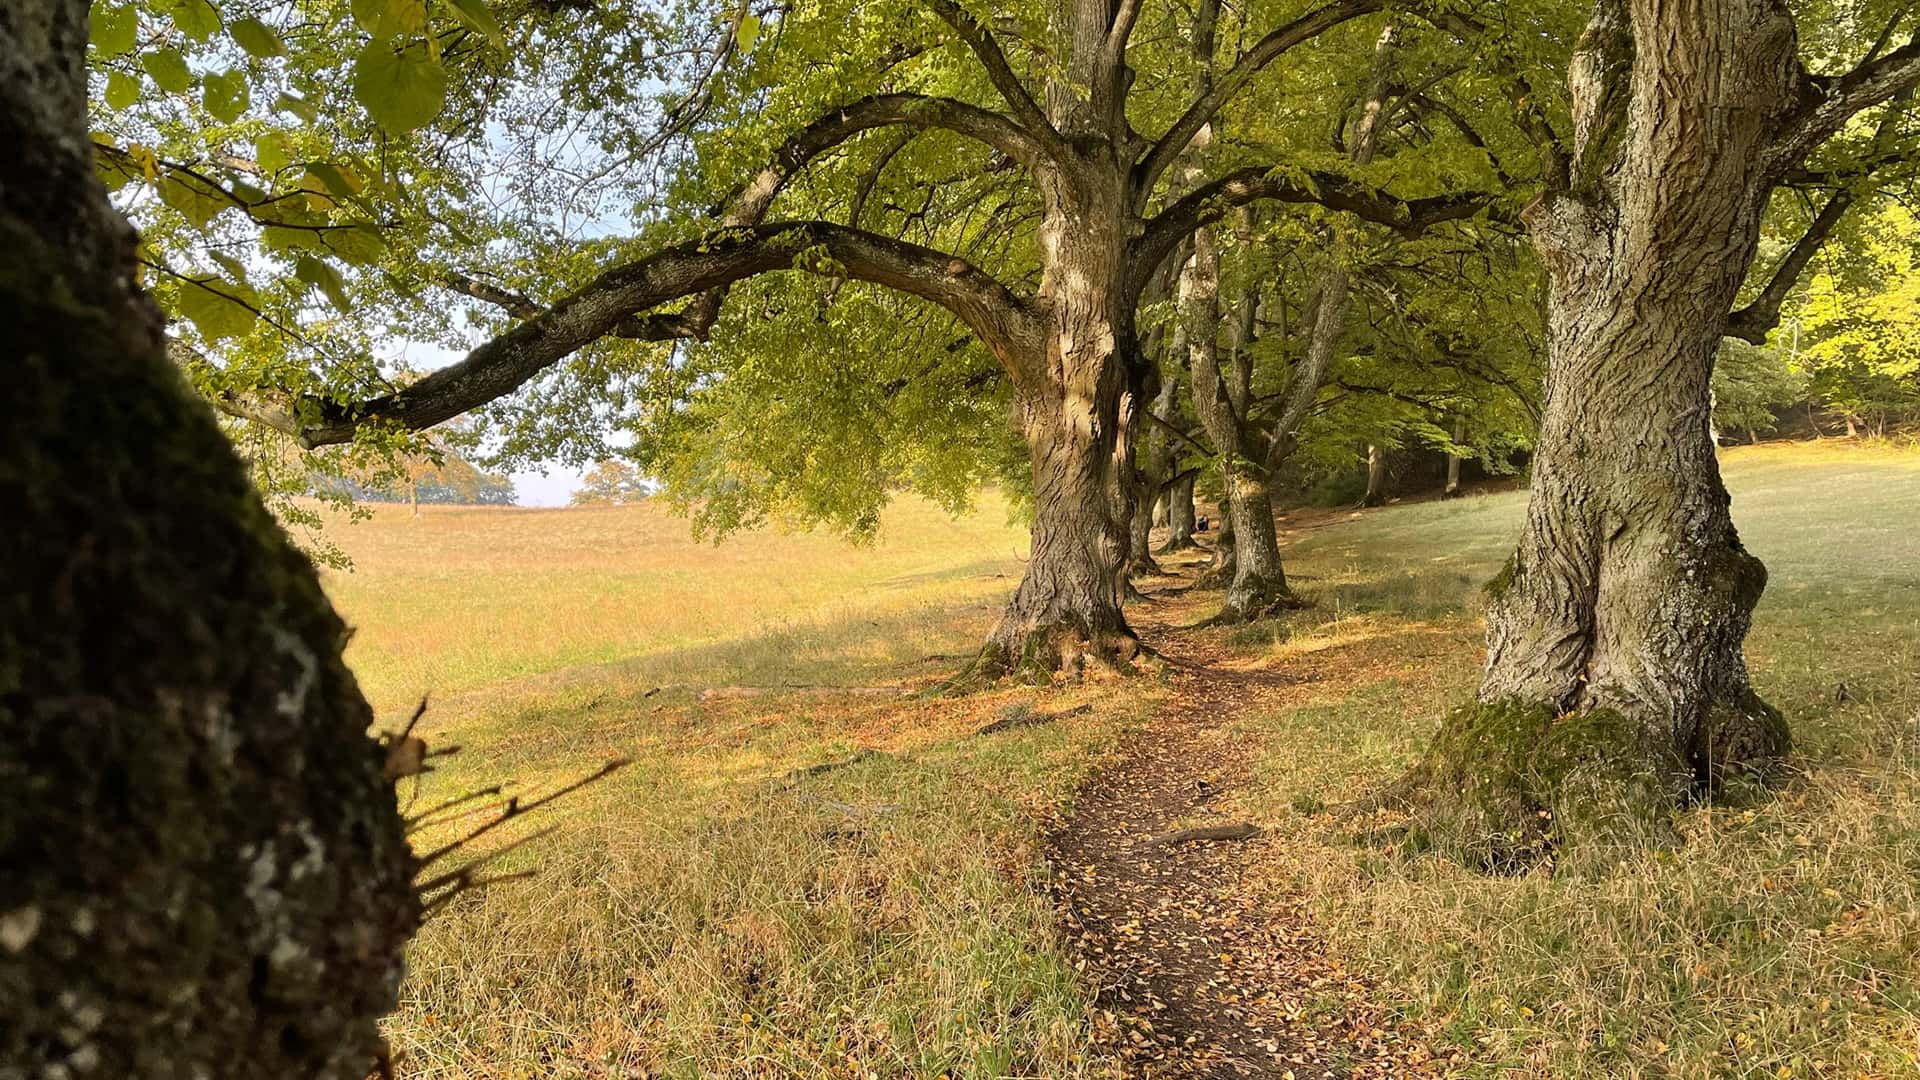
column 554, row 488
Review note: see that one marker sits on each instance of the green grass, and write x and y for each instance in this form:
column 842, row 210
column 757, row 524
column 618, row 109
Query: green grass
column 1783, row 939
column 703, row 914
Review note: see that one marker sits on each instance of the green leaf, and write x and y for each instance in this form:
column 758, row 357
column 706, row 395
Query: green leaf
column 322, row 274
column 298, row 106
column 337, row 183
column 196, row 18
column 233, row 266
column 123, row 90
column 169, row 70
column 280, row 239
column 194, row 199
column 272, row 153
column 257, row 38
column 226, row 95
column 115, row 171
column 116, row 29
column 747, row 32
column 218, row 309
column 476, row 14
column 401, row 89
column 390, row 18
column 360, row 245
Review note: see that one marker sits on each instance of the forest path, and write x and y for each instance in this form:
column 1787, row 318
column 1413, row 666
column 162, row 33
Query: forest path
column 1201, row 970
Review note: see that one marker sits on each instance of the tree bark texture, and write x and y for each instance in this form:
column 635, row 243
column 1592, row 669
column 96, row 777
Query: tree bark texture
column 1624, row 610
column 206, row 875
column 1078, row 417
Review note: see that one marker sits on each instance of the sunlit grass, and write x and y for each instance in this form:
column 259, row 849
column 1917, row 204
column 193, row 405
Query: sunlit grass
column 1782, row 939
column 704, row 913
column 461, row 598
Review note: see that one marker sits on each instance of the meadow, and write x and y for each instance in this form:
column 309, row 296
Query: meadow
column 722, row 907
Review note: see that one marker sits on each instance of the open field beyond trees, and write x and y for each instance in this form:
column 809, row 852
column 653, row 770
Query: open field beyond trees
column 713, row 910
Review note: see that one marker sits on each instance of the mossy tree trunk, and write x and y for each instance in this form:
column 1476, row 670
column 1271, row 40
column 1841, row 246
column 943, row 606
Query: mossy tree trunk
column 206, row 873
column 1616, row 631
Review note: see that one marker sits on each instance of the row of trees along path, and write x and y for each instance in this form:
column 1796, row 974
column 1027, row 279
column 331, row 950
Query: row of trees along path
column 177, row 722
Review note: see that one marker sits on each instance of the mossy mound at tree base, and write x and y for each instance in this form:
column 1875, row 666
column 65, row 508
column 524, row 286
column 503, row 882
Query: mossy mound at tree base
column 1509, row 784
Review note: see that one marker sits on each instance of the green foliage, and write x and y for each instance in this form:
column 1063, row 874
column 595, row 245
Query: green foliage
column 1749, row 382
column 612, row 483
column 1859, row 339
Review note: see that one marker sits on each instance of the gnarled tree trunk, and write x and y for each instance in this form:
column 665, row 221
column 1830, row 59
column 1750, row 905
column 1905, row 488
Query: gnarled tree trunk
column 206, row 873
column 1615, row 680
column 1067, row 608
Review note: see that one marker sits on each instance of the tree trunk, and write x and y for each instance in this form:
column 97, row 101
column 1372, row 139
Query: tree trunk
column 1615, row 681
column 1220, row 571
column 1454, row 460
column 1155, row 461
column 206, row 872
column 1180, row 516
column 1376, row 477
column 1077, row 420
column 1258, row 586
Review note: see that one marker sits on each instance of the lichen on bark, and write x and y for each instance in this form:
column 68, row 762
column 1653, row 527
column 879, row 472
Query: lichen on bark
column 207, row 874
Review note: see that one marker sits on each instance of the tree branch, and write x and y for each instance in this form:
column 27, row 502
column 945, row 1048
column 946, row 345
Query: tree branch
column 1830, row 103
column 978, row 38
column 1269, row 48
column 1210, row 202
column 1528, row 114
column 1753, row 322
column 1003, row 320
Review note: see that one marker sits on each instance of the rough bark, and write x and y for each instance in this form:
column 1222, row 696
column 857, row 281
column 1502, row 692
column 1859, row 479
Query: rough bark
column 206, row 873
column 1077, row 416
column 1258, row 586
column 1624, row 610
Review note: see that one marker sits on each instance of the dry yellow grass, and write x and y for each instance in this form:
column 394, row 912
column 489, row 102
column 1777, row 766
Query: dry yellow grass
column 461, row 598
column 703, row 913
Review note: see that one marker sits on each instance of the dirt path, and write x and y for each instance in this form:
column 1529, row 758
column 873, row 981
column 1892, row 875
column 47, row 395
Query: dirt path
column 1199, row 972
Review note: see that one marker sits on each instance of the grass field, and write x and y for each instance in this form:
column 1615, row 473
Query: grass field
column 708, row 912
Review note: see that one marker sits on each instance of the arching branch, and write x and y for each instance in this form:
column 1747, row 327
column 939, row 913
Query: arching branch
column 751, row 200
column 1003, row 320
column 1210, row 202
column 1269, row 48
